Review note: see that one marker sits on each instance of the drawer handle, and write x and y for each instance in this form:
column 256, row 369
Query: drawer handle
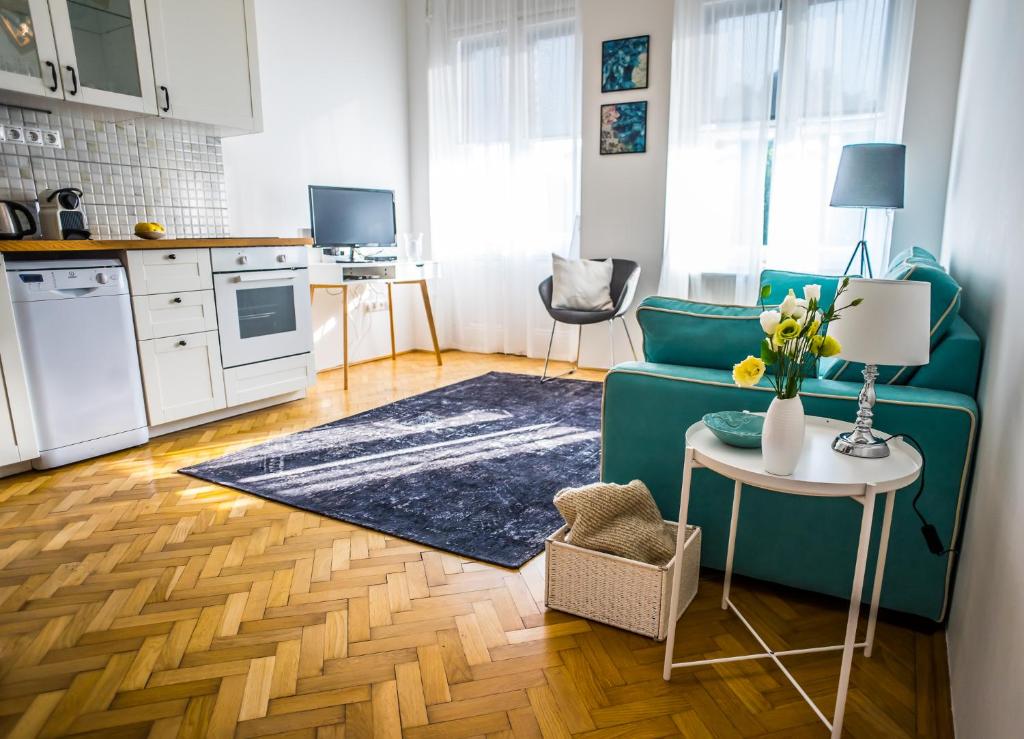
column 172, row 256
column 176, row 300
column 182, row 342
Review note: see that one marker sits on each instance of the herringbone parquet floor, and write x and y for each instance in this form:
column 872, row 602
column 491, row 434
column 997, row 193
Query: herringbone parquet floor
column 138, row 602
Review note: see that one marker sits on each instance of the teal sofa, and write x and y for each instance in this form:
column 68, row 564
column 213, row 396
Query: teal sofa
column 689, row 350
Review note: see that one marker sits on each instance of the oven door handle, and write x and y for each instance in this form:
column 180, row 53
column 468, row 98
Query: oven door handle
column 264, row 277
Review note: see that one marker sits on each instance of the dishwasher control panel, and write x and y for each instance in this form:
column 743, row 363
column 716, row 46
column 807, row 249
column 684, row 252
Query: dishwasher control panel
column 73, row 281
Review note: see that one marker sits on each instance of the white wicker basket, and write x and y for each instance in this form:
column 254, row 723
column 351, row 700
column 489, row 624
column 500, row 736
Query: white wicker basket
column 631, row 595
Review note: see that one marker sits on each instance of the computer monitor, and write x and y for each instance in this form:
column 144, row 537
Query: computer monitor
column 350, row 216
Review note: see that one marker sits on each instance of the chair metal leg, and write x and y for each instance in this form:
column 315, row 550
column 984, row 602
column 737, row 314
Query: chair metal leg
column 611, row 341
column 544, row 375
column 625, row 327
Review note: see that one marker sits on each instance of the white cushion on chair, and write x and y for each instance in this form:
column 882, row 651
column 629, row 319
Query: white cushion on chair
column 581, row 284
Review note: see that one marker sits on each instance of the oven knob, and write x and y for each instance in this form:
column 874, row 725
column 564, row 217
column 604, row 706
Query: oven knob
column 243, row 259
column 102, row 278
column 282, row 258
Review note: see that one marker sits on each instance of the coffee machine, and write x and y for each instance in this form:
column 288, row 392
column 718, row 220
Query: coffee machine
column 61, row 214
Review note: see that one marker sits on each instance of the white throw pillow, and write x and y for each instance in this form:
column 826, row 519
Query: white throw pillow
column 581, row 284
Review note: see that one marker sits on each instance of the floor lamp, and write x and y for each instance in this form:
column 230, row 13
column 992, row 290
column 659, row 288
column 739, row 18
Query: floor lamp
column 869, row 176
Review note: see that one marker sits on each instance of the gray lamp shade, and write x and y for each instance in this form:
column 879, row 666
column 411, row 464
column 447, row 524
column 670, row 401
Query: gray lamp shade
column 870, row 176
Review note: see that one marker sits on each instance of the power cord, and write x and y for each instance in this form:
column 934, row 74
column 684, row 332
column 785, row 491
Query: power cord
column 928, row 530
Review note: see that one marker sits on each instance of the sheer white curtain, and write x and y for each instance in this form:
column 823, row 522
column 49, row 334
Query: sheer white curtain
column 504, row 164
column 724, row 55
column 765, row 93
column 844, row 81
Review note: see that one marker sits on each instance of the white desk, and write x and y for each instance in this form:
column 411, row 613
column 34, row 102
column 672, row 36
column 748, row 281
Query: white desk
column 343, row 274
column 821, row 473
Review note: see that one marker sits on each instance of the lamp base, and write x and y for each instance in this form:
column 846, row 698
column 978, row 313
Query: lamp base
column 856, row 444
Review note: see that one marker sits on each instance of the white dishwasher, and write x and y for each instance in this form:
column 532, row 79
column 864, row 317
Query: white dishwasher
column 77, row 339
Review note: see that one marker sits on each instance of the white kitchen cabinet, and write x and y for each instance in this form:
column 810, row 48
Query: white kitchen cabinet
column 261, row 380
column 182, row 376
column 103, row 47
column 28, row 51
column 18, row 441
column 159, row 316
column 204, row 61
column 152, row 271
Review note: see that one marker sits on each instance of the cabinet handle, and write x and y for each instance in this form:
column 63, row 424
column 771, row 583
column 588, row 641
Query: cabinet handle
column 172, row 256
column 176, row 300
column 74, row 80
column 167, row 99
column 182, row 343
column 53, row 73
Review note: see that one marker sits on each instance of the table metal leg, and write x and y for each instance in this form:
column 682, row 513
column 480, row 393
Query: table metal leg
column 851, row 621
column 883, row 550
column 684, row 507
column 737, row 491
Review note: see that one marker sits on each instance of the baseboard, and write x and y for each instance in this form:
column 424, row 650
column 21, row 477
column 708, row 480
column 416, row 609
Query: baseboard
column 238, row 410
column 376, row 359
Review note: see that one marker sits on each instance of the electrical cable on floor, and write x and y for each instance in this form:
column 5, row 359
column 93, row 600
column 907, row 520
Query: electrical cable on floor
column 928, row 530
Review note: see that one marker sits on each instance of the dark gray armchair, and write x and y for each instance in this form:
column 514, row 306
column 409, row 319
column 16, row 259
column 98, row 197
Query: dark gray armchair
column 625, row 274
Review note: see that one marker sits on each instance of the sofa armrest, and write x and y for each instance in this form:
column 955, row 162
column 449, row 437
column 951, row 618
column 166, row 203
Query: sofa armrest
column 690, row 333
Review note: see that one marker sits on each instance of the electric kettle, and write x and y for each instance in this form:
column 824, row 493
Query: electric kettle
column 10, row 224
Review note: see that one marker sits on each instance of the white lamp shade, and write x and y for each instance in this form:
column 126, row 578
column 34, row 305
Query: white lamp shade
column 891, row 326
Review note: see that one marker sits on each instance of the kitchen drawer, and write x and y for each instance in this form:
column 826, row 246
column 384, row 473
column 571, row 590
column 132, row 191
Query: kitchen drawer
column 169, row 314
column 154, row 271
column 182, row 376
column 266, row 379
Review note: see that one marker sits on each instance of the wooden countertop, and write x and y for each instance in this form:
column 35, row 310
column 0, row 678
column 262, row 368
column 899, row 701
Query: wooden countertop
column 107, row 245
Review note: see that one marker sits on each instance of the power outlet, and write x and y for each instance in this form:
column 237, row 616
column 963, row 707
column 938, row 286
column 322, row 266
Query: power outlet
column 375, row 305
column 14, row 134
column 34, row 136
column 52, row 138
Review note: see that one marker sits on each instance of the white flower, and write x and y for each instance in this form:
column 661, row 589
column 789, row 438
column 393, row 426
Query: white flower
column 770, row 319
column 812, row 292
column 800, row 312
column 789, row 304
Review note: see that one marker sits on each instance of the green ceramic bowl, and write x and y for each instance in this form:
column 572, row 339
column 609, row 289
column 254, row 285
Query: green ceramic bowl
column 736, row 428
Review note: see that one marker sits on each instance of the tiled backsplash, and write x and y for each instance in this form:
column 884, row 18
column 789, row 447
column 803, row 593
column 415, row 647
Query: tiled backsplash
column 147, row 169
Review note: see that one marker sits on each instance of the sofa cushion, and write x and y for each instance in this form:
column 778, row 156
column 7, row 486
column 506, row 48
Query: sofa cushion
column 913, row 253
column 782, row 282
column 686, row 332
column 917, row 264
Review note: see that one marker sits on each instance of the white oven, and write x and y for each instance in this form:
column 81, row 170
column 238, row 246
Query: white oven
column 262, row 303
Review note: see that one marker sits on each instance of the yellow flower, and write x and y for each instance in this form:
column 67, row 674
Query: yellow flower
column 748, row 372
column 825, row 346
column 788, row 330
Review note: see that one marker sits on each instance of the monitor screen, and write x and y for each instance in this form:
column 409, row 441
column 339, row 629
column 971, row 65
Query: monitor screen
column 344, row 216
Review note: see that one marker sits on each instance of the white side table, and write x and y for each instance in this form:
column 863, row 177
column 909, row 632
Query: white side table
column 823, row 473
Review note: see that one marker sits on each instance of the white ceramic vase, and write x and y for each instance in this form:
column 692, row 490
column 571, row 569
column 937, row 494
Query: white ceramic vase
column 782, row 439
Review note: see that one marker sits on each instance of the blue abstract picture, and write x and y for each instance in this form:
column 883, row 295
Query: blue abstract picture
column 624, row 63
column 624, row 128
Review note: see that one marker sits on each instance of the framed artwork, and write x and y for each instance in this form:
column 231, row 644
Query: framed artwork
column 624, row 63
column 624, row 128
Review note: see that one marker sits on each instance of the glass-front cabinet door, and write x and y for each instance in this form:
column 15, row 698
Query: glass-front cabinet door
column 104, row 53
column 28, row 55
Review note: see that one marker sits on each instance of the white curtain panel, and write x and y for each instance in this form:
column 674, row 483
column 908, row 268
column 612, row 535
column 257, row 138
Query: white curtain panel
column 765, row 93
column 504, row 116
column 724, row 55
column 844, row 81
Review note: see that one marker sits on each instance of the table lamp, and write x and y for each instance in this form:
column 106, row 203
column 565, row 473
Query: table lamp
column 869, row 176
column 892, row 326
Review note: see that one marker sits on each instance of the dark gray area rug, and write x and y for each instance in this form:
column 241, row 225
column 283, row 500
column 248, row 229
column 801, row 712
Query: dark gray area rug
column 470, row 468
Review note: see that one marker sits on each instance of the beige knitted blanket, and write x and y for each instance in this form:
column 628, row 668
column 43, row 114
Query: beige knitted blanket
column 622, row 520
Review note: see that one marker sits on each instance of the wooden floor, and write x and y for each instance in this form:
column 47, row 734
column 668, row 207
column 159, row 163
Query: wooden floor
column 138, row 602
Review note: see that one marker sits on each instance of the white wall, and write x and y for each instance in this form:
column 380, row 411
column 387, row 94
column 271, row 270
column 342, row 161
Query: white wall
column 622, row 212
column 333, row 81
column 928, row 121
column 983, row 232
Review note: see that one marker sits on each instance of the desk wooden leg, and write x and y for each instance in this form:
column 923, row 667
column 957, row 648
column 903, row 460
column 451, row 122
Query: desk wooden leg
column 391, row 320
column 344, row 335
column 430, row 319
